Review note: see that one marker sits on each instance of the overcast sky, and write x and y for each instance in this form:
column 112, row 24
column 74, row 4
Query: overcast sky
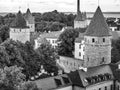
column 60, row 5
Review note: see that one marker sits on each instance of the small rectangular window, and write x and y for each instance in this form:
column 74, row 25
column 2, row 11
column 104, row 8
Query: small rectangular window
column 80, row 46
column 93, row 40
column 103, row 39
column 79, row 53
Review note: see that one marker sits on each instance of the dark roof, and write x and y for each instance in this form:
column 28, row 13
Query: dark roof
column 79, row 77
column 53, row 82
column 79, row 16
column 98, row 26
column 29, row 17
column 20, row 21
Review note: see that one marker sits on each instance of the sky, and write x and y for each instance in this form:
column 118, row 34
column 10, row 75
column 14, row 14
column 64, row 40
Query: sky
column 60, row 5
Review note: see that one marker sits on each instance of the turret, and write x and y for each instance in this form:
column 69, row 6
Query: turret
column 97, row 41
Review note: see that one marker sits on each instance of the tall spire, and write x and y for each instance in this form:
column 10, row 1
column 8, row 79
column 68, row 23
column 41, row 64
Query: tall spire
column 78, row 5
column 79, row 14
column 98, row 26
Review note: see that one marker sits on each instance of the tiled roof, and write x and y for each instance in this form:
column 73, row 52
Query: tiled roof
column 98, row 26
column 29, row 17
column 79, row 77
column 19, row 21
column 53, row 82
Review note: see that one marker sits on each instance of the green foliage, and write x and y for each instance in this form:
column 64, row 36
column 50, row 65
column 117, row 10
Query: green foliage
column 67, row 40
column 11, row 77
column 23, row 55
column 115, row 52
column 48, row 26
column 48, row 57
column 4, row 32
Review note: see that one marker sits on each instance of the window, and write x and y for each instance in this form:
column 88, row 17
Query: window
column 58, row 82
column 83, row 57
column 79, row 53
column 93, row 40
column 105, row 88
column 80, row 46
column 103, row 39
column 111, row 87
column 66, row 80
column 118, row 88
column 53, row 41
column 103, row 59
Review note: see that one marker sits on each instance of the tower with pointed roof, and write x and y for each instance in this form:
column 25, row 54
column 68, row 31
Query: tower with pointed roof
column 20, row 31
column 80, row 20
column 97, row 41
column 30, row 20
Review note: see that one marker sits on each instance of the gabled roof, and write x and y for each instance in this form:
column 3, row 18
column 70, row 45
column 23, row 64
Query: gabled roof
column 79, row 16
column 53, row 82
column 29, row 17
column 79, row 77
column 98, row 26
column 19, row 21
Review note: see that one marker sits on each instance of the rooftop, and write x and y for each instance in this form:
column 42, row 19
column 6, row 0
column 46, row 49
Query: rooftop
column 29, row 17
column 19, row 21
column 53, row 82
column 98, row 26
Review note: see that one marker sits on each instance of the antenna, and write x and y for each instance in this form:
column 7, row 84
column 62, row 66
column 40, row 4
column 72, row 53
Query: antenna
column 98, row 2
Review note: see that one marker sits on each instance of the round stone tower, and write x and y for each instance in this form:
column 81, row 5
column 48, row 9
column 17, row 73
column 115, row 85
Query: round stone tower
column 97, row 41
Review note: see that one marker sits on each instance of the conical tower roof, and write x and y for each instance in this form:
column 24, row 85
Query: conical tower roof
column 20, row 21
column 29, row 17
column 98, row 26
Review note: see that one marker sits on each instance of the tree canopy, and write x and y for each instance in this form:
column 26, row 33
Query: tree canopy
column 66, row 42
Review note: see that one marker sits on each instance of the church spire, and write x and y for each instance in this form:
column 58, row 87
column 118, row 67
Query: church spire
column 78, row 6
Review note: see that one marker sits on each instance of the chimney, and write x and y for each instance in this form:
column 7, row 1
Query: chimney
column 78, row 5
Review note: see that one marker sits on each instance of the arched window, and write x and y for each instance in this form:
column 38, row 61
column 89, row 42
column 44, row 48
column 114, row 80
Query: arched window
column 93, row 40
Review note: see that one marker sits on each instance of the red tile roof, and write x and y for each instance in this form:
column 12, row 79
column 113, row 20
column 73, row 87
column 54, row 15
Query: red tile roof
column 98, row 26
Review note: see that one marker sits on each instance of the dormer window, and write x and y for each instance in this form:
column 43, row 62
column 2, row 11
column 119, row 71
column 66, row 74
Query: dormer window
column 93, row 40
column 103, row 39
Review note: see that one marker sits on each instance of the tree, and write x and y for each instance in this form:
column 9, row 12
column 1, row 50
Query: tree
column 11, row 77
column 48, row 57
column 66, row 42
column 115, row 52
column 4, row 32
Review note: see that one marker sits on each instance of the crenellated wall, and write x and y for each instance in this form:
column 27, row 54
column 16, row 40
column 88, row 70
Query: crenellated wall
column 22, row 35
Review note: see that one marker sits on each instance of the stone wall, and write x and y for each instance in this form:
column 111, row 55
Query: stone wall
column 97, row 52
column 22, row 35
